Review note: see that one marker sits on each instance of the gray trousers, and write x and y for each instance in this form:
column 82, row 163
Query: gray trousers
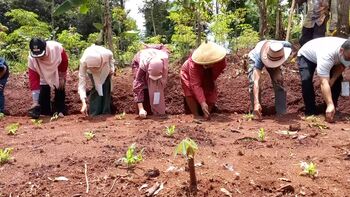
column 277, row 82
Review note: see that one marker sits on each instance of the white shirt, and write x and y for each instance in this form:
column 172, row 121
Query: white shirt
column 91, row 55
column 324, row 52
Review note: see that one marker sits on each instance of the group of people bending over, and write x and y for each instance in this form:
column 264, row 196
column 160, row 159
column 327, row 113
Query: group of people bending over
column 48, row 63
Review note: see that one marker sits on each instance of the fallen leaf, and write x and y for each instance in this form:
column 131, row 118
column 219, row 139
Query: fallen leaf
column 159, row 189
column 229, row 167
column 61, row 178
column 225, row 191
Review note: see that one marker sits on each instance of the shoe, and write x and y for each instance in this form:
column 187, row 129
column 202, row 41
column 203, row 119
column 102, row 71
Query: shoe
column 60, row 115
column 34, row 112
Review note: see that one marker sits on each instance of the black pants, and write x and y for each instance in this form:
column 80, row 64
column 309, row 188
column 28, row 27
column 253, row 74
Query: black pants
column 308, row 34
column 307, row 70
column 45, row 100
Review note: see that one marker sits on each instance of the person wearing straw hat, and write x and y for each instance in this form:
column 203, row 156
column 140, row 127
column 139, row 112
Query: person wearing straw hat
column 4, row 75
column 198, row 76
column 96, row 62
column 270, row 54
column 47, row 69
column 328, row 56
column 150, row 69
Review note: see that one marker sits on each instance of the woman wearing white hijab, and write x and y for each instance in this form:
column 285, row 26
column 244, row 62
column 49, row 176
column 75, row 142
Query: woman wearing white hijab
column 98, row 63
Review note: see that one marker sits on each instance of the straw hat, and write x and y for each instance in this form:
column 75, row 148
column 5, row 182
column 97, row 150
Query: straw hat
column 273, row 54
column 208, row 53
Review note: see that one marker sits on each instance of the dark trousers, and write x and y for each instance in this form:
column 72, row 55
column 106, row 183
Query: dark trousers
column 45, row 100
column 308, row 34
column 100, row 104
column 307, row 70
column 3, row 82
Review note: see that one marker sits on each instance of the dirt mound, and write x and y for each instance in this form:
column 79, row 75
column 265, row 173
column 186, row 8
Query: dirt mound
column 232, row 84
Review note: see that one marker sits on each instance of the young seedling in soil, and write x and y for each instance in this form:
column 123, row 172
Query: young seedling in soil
column 131, row 157
column 5, row 155
column 170, row 130
column 2, row 115
column 37, row 122
column 188, row 148
column 261, row 135
column 316, row 122
column 248, row 117
column 89, row 135
column 54, row 117
column 120, row 116
column 309, row 169
column 12, row 128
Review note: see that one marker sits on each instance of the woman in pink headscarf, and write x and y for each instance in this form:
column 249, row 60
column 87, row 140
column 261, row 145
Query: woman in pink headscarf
column 150, row 68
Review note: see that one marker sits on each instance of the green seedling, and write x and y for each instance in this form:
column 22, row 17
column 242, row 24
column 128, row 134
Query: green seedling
column 120, row 116
column 54, row 117
column 131, row 157
column 37, row 122
column 5, row 155
column 188, row 148
column 309, row 169
column 12, row 128
column 169, row 131
column 89, row 135
column 248, row 117
column 261, row 135
column 316, row 122
column 2, row 115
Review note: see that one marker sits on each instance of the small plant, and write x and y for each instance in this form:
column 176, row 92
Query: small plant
column 54, row 117
column 12, row 128
column 120, row 116
column 2, row 115
column 89, row 135
column 131, row 158
column 169, row 131
column 248, row 117
column 309, row 169
column 261, row 135
column 188, row 148
column 5, row 155
column 315, row 122
column 37, row 122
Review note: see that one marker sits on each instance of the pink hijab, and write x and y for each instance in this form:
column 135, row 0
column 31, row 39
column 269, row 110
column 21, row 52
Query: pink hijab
column 155, row 62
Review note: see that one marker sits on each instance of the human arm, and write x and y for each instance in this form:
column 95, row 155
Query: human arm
column 256, row 82
column 82, row 86
column 62, row 69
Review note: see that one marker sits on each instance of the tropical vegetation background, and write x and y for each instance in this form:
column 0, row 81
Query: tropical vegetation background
column 180, row 24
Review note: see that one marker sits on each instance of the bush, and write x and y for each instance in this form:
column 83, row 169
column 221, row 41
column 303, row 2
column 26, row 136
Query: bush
column 247, row 39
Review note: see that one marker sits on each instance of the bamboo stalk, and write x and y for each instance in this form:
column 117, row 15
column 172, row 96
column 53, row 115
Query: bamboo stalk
column 290, row 19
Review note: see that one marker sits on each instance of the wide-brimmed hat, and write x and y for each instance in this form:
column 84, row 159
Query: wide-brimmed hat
column 208, row 53
column 273, row 54
column 37, row 47
column 155, row 68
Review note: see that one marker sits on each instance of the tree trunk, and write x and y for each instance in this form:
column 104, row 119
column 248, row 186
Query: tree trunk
column 199, row 29
column 263, row 17
column 153, row 24
column 278, row 22
column 290, row 20
column 343, row 28
column 108, row 26
column 53, row 20
column 121, row 2
column 193, row 179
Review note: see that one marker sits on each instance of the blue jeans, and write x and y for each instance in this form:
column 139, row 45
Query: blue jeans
column 3, row 82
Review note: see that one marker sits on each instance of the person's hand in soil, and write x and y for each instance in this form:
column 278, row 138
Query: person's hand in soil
column 330, row 112
column 84, row 108
column 205, row 109
column 143, row 113
column 257, row 111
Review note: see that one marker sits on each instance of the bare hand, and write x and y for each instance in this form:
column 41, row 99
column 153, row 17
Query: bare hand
column 330, row 112
column 205, row 109
column 84, row 109
column 257, row 111
column 143, row 113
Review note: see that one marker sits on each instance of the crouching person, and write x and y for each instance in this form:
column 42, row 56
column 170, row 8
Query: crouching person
column 270, row 54
column 97, row 62
column 150, row 68
column 4, row 74
column 198, row 76
column 328, row 56
column 48, row 63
